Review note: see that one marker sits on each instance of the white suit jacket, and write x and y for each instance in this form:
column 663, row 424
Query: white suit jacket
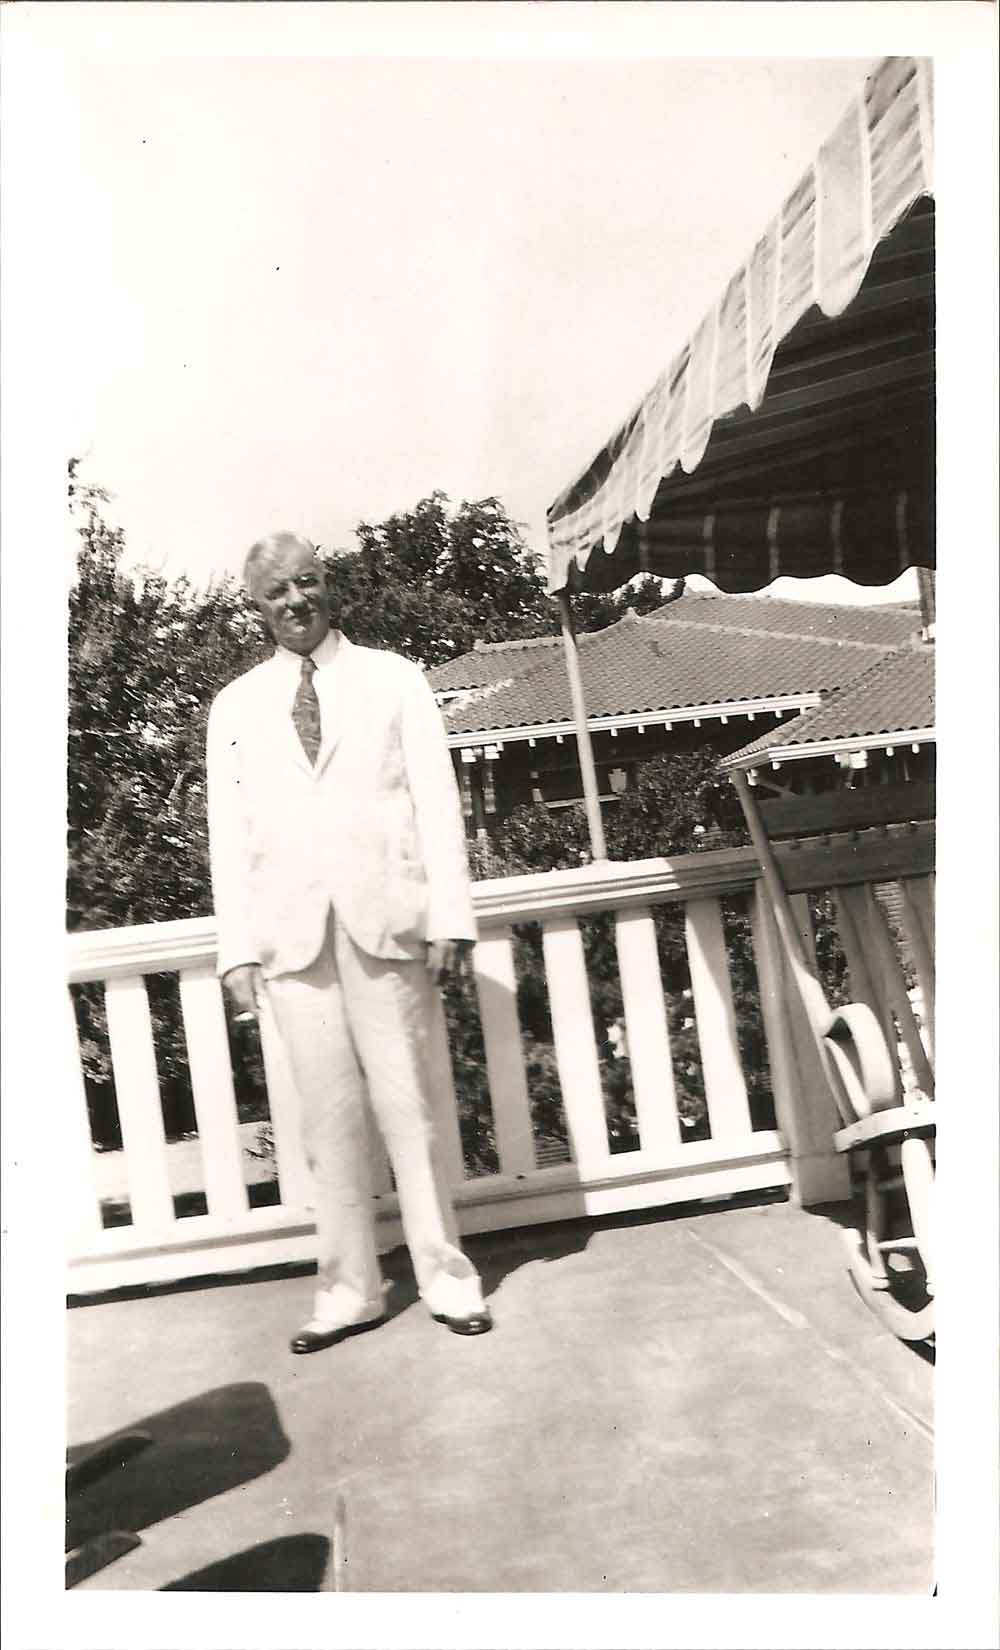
column 374, row 829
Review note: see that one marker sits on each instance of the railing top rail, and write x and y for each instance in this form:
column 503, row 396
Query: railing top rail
column 147, row 948
column 614, row 884
column 869, row 856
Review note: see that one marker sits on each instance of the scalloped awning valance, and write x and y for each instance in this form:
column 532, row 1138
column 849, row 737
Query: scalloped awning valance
column 794, row 432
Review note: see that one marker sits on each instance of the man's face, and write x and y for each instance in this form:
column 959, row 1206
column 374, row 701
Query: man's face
column 290, row 589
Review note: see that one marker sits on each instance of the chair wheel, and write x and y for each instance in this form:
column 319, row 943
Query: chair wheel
column 889, row 1261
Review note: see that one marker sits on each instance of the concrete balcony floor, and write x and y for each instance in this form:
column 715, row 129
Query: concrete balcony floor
column 682, row 1400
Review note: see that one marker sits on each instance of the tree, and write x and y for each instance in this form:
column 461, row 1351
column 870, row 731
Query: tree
column 643, row 596
column 428, row 582
column 431, row 582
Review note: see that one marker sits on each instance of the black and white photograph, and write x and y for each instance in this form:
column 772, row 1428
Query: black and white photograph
column 509, row 488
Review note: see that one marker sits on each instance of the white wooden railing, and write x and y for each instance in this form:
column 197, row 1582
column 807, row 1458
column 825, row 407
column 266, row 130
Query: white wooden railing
column 664, row 1169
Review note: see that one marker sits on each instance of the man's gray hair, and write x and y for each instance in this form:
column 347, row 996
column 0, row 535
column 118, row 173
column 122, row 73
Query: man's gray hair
column 273, row 545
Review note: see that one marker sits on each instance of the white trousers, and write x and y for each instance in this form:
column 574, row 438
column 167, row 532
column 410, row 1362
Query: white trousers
column 348, row 1020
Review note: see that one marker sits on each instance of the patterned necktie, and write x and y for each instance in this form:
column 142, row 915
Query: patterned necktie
column 305, row 712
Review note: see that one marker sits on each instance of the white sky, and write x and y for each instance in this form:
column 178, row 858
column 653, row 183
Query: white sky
column 312, row 290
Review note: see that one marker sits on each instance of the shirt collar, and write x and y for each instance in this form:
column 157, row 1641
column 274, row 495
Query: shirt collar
column 322, row 656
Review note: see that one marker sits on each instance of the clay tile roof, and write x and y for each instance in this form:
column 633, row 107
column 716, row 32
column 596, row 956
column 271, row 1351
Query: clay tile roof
column 880, row 626
column 489, row 663
column 696, row 651
column 893, row 697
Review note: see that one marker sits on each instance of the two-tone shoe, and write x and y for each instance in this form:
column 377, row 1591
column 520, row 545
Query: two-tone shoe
column 458, row 1303
column 337, row 1314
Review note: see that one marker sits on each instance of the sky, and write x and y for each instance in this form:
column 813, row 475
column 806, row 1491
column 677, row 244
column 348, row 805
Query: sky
column 312, row 290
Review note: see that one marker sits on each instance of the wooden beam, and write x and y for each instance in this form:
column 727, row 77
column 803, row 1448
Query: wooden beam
column 846, row 810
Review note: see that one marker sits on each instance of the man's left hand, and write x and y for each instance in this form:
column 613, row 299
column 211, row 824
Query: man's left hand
column 446, row 958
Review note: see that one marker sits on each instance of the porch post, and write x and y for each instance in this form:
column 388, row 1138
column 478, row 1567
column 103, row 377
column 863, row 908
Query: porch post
column 591, row 795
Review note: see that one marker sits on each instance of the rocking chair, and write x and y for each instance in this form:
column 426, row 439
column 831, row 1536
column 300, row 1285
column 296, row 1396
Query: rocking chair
column 890, row 1139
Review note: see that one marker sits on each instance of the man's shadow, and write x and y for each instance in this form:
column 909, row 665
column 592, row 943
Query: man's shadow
column 199, row 1449
column 288, row 1564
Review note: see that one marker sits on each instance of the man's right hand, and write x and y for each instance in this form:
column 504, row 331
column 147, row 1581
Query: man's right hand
column 243, row 986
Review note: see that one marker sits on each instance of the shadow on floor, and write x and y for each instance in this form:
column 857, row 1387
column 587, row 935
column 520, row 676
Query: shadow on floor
column 289, row 1564
column 202, row 1280
column 495, row 1254
column 199, row 1449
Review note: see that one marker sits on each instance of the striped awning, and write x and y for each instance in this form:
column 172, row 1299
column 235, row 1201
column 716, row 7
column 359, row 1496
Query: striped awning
column 794, row 432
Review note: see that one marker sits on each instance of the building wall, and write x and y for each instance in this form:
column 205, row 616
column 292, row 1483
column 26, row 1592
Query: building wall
column 549, row 772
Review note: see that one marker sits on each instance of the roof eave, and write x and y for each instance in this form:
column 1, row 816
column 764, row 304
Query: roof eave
column 778, row 704
column 829, row 747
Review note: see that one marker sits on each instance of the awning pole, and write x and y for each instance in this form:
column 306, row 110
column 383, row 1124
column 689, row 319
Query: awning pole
column 925, row 587
column 591, row 795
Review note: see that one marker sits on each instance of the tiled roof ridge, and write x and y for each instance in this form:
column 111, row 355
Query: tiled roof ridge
column 508, row 647
column 539, row 667
column 758, row 596
column 671, row 612
column 782, row 635
column 481, row 692
column 828, row 695
column 526, row 677
column 902, row 650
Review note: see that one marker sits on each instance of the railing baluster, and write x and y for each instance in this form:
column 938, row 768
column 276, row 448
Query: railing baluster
column 496, row 986
column 84, row 1222
column 777, row 1005
column 647, row 1032
column 212, row 1086
column 576, row 1046
column 294, row 1178
column 725, row 1089
column 137, row 1086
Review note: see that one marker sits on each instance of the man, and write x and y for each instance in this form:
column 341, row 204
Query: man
column 341, row 893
